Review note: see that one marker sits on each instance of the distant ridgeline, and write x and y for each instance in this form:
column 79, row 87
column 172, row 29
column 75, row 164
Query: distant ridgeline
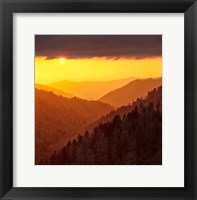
column 131, row 135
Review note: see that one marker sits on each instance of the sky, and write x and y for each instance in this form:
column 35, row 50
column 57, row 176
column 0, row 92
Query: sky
column 96, row 57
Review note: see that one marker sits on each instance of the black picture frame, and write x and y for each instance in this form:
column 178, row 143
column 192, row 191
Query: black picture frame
column 8, row 7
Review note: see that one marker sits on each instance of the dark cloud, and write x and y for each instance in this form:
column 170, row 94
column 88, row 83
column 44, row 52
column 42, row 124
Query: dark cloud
column 88, row 46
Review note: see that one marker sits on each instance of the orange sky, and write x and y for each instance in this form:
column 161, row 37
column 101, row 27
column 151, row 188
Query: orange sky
column 95, row 69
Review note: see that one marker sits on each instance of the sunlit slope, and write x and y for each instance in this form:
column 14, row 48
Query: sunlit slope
column 89, row 90
column 130, row 92
column 55, row 91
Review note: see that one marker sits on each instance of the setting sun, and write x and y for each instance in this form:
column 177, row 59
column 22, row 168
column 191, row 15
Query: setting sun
column 62, row 60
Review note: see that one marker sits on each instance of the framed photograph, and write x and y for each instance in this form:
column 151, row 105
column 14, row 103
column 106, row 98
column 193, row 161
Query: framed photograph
column 98, row 99
column 99, row 113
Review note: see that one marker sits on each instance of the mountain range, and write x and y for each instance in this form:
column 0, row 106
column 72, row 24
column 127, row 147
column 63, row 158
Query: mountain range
column 134, row 138
column 61, row 115
column 89, row 90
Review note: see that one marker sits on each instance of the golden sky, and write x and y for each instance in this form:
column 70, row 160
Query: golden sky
column 95, row 69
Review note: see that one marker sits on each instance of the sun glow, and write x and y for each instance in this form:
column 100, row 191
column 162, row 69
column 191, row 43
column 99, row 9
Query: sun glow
column 62, row 60
column 95, row 69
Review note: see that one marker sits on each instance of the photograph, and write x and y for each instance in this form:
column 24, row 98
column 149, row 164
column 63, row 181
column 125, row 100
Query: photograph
column 98, row 99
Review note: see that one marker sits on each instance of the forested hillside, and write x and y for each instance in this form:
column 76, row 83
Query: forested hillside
column 134, row 138
column 154, row 96
column 59, row 119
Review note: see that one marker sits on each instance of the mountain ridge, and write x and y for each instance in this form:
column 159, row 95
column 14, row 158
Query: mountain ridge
column 121, row 111
column 55, row 91
column 131, row 91
column 90, row 90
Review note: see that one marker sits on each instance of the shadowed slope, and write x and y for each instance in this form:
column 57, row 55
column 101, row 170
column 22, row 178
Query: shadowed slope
column 132, row 139
column 59, row 119
column 154, row 96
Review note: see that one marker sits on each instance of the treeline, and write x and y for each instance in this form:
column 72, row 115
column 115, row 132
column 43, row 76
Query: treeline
column 154, row 96
column 133, row 139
